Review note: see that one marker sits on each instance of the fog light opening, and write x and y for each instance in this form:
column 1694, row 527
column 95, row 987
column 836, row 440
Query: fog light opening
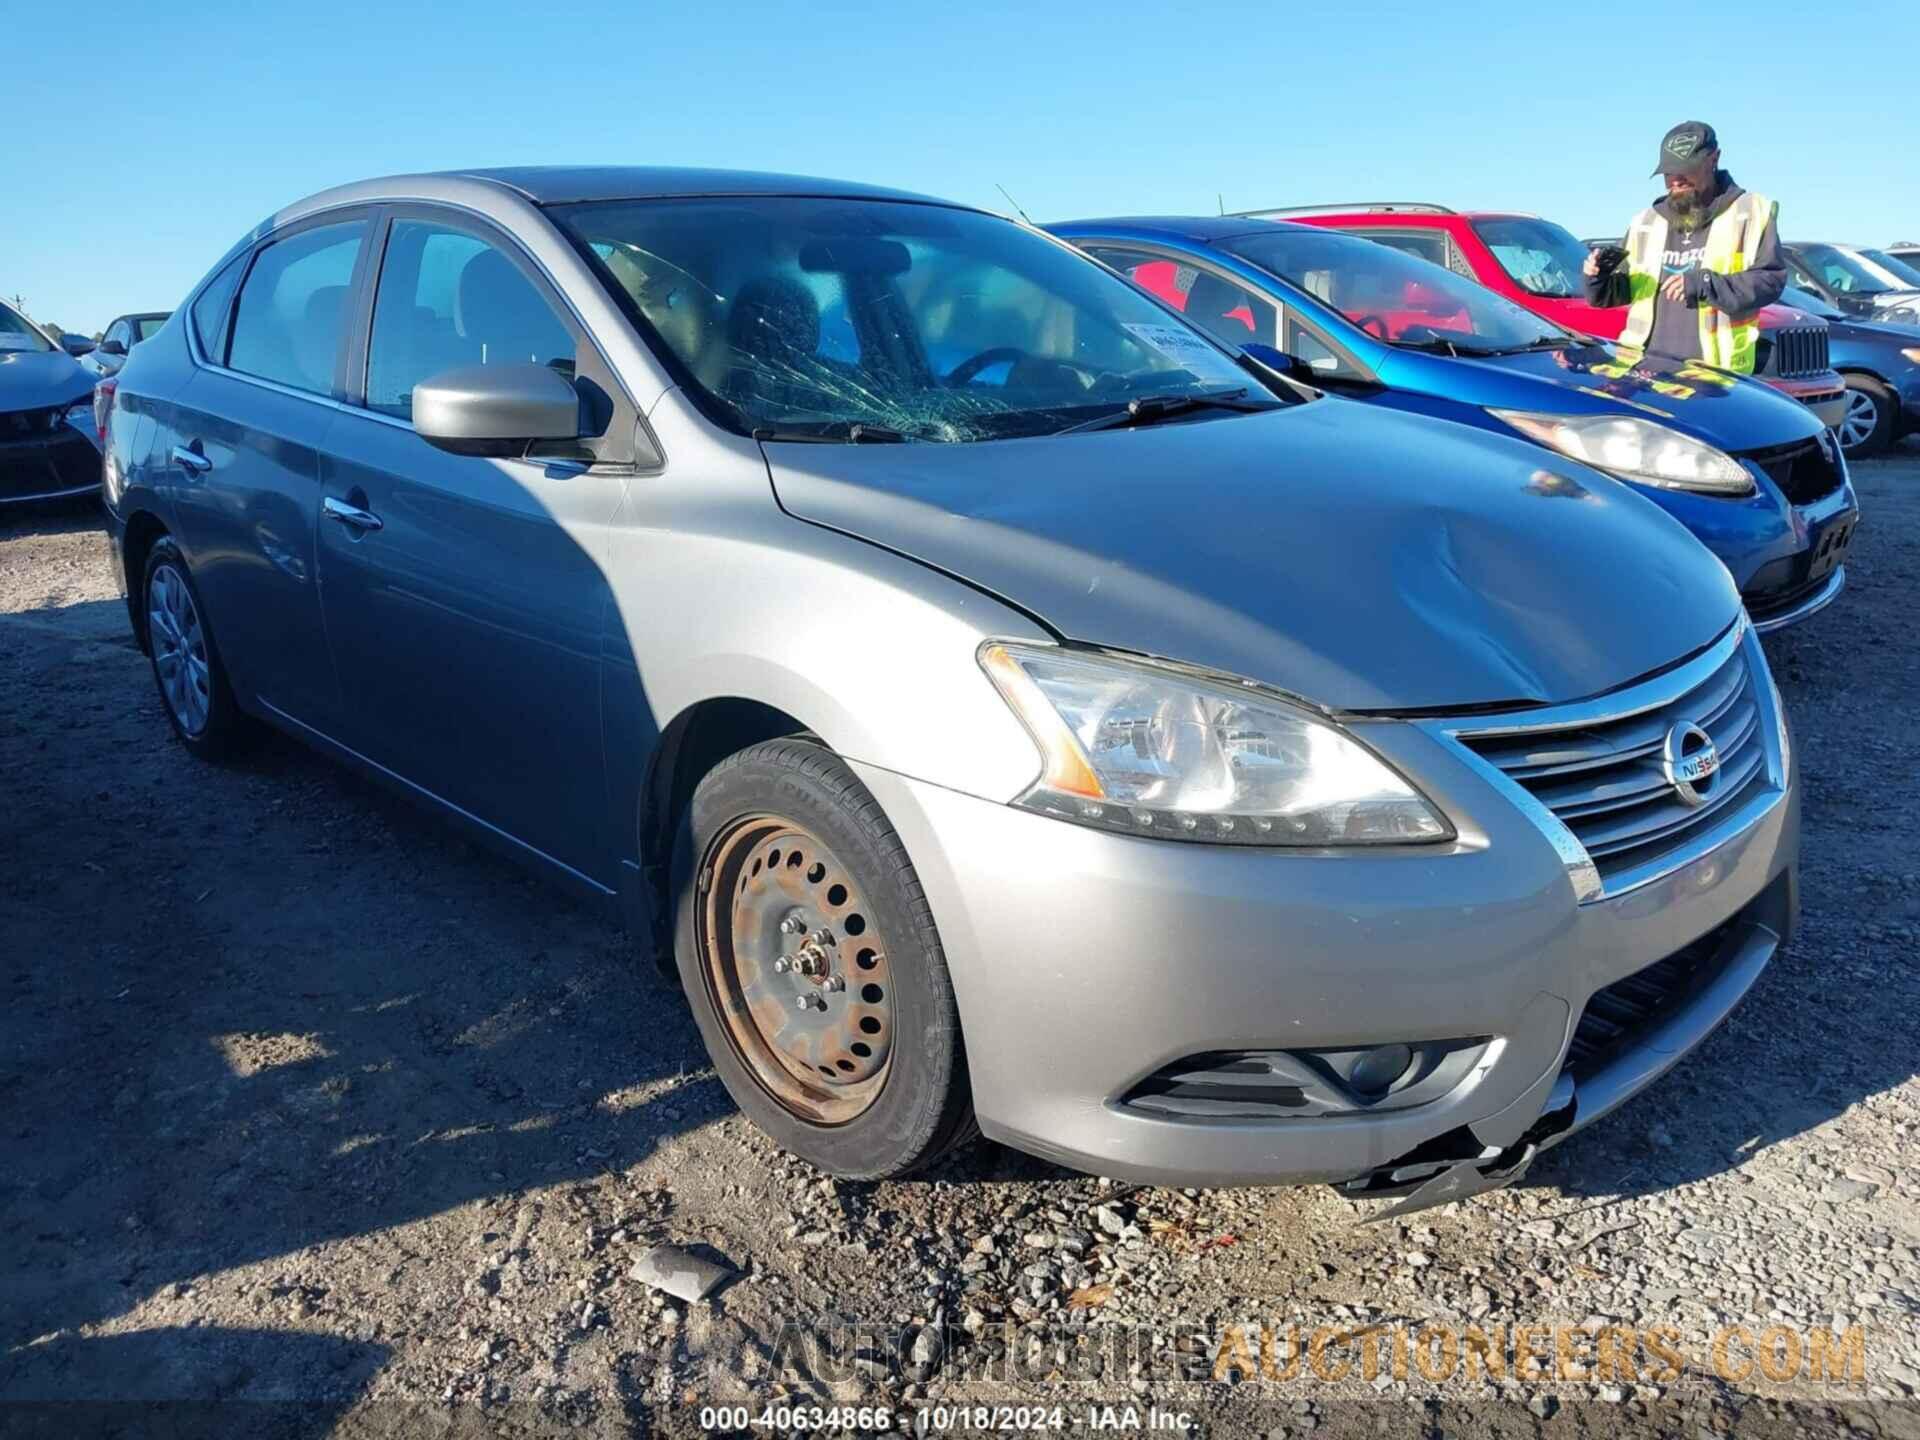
column 1377, row 1071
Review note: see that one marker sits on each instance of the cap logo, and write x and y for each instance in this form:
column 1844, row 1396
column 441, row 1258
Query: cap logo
column 1681, row 147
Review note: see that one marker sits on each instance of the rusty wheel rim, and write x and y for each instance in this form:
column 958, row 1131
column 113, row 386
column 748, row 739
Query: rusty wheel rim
column 796, row 967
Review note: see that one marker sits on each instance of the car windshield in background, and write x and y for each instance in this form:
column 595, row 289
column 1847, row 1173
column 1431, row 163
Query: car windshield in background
column 864, row 319
column 1842, row 272
column 1903, row 271
column 1542, row 257
column 1395, row 297
column 147, row 326
column 19, row 333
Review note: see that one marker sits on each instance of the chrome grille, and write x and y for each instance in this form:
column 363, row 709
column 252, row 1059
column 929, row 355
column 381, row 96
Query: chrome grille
column 1601, row 777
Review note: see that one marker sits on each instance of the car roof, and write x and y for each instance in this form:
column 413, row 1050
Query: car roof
column 1205, row 229
column 141, row 315
column 566, row 184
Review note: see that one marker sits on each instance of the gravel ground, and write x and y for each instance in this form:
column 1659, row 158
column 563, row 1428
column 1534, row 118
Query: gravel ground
column 315, row 1111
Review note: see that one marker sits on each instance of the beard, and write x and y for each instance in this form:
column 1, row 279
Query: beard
column 1688, row 212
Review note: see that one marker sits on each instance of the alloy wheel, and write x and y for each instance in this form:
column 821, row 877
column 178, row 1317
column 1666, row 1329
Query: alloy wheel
column 179, row 649
column 1862, row 419
column 796, row 967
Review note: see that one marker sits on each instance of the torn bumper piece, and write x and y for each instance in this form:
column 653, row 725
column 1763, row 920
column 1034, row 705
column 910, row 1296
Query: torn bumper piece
column 1630, row 1034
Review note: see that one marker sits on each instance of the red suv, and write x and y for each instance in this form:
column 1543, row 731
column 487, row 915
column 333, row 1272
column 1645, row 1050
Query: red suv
column 1536, row 263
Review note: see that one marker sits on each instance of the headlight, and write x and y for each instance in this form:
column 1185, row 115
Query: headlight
column 1148, row 751
column 1635, row 449
column 1913, row 354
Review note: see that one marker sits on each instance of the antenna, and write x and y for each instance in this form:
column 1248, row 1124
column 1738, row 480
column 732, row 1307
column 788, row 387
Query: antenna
column 1221, row 200
column 1013, row 202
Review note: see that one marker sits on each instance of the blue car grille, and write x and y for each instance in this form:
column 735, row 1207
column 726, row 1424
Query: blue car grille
column 1603, row 780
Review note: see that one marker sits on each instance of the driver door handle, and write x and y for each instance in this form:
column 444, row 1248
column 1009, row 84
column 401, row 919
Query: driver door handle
column 352, row 516
column 191, row 460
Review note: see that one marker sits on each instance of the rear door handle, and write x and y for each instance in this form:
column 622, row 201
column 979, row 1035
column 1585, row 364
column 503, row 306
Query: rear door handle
column 352, row 516
column 191, row 460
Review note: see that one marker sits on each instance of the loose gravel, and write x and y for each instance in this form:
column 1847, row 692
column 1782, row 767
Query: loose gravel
column 312, row 1110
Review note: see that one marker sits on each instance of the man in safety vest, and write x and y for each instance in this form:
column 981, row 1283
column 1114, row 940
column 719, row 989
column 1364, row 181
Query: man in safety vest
column 1698, row 265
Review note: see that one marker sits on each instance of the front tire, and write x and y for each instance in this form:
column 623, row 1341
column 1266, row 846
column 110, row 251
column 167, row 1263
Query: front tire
column 1867, row 427
column 810, row 959
column 187, row 669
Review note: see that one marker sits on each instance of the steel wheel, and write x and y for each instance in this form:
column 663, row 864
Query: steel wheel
column 796, row 968
column 179, row 649
column 1861, row 421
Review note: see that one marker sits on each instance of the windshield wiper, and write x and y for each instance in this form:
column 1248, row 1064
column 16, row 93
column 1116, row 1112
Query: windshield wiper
column 1545, row 342
column 859, row 433
column 1151, row 409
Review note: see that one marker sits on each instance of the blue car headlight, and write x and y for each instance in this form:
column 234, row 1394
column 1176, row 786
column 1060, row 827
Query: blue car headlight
column 1636, row 450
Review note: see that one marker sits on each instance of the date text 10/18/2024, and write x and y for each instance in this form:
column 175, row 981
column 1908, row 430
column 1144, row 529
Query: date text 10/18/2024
column 946, row 1419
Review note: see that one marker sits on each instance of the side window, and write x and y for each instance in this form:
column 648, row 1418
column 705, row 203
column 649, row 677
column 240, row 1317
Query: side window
column 210, row 311
column 1223, row 308
column 1431, row 246
column 120, row 330
column 293, row 307
column 449, row 298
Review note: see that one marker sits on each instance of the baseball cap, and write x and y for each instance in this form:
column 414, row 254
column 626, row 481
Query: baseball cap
column 1684, row 145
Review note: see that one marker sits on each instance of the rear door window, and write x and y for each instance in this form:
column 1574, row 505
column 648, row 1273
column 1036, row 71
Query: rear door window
column 293, row 307
column 450, row 298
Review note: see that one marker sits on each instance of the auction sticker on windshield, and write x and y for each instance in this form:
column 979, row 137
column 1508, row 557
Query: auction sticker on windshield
column 1175, row 343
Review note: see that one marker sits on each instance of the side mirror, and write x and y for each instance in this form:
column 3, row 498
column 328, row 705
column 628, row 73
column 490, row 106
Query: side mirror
column 495, row 409
column 112, row 347
column 75, row 345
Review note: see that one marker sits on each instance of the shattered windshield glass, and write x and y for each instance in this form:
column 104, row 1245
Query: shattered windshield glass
column 848, row 319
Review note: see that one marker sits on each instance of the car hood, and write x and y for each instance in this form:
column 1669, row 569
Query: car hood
column 1582, row 380
column 36, row 379
column 1360, row 558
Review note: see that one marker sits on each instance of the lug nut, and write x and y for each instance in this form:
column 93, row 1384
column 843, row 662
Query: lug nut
column 782, row 965
column 792, row 925
column 836, row 983
column 808, row 1002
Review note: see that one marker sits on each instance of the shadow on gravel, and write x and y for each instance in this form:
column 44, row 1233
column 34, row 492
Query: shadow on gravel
column 50, row 517
column 252, row 1009
column 178, row 1383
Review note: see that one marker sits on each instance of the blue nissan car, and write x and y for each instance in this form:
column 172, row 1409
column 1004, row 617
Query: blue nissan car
column 1755, row 476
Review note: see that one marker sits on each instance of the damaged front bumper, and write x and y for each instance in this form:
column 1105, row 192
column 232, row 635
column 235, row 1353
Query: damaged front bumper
column 1630, row 1035
column 1204, row 1015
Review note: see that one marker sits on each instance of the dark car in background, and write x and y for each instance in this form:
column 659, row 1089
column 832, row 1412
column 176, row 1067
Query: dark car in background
column 1880, row 361
column 49, row 446
column 1852, row 280
column 1756, row 477
column 119, row 338
column 1536, row 264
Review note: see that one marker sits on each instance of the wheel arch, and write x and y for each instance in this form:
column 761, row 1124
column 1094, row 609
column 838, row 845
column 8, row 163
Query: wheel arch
column 144, row 530
column 691, row 744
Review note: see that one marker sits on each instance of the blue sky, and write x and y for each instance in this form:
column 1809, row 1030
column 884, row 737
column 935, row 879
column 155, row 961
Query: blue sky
column 138, row 141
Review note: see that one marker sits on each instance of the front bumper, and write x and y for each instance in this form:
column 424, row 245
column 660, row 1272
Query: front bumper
column 51, row 465
column 1084, row 962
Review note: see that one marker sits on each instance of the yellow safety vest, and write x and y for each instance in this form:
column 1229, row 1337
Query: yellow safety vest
column 1733, row 242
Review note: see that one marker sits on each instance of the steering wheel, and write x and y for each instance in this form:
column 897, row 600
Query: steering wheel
column 969, row 369
column 1373, row 325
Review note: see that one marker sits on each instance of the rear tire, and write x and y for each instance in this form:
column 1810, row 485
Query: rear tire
column 851, row 1056
column 187, row 669
column 1867, row 427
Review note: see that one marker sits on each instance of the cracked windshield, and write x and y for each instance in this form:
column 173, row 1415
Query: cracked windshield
column 846, row 320
column 1542, row 257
